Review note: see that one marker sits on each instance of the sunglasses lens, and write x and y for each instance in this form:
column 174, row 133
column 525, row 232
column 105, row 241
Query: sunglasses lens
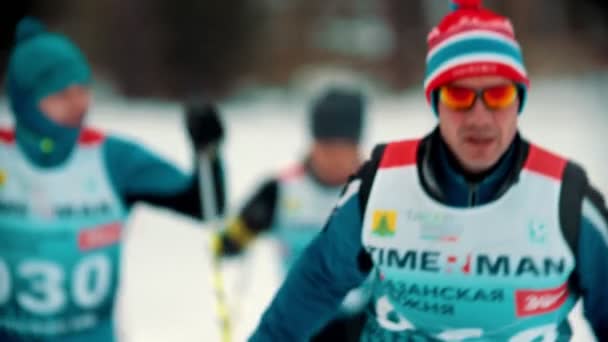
column 457, row 98
column 500, row 97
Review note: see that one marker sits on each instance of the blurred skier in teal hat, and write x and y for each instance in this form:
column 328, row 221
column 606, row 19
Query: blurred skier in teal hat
column 66, row 191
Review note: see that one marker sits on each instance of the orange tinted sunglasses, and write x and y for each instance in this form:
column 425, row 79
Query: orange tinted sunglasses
column 463, row 98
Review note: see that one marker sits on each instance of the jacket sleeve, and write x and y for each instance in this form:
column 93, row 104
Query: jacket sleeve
column 593, row 262
column 138, row 175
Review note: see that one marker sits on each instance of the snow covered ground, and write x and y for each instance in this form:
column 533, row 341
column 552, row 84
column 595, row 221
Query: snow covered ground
column 166, row 294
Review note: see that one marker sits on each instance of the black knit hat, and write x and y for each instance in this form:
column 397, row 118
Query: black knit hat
column 338, row 114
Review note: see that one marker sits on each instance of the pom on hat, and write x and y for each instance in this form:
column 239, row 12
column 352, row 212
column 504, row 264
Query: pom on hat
column 465, row 4
column 29, row 27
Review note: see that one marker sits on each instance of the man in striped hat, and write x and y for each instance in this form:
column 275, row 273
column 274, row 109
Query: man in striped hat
column 473, row 232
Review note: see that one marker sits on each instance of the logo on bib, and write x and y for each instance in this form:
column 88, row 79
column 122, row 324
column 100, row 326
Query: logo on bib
column 494, row 265
column 2, row 177
column 435, row 226
column 536, row 302
column 98, row 237
column 538, row 231
column 384, row 223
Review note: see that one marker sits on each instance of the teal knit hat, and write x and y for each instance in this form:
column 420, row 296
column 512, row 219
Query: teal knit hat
column 42, row 63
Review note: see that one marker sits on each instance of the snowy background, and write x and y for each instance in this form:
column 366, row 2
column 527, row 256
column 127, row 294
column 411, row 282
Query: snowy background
column 166, row 293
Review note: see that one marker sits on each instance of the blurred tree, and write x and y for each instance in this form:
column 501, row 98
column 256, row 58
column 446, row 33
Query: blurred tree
column 209, row 45
column 175, row 49
column 157, row 48
column 406, row 63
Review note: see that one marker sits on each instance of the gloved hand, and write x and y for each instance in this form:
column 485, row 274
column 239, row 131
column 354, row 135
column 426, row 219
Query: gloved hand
column 223, row 246
column 204, row 125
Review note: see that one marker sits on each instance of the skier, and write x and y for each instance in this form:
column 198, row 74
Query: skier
column 293, row 205
column 66, row 191
column 472, row 232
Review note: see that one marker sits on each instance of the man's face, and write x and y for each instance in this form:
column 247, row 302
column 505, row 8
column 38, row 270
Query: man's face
column 478, row 136
column 67, row 107
column 334, row 160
